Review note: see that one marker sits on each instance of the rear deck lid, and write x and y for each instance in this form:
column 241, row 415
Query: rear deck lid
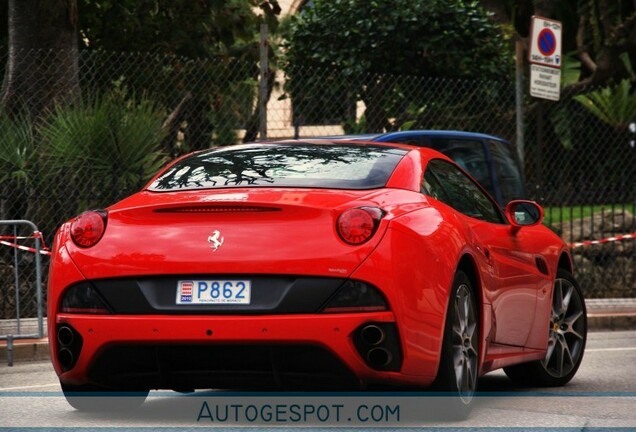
column 255, row 209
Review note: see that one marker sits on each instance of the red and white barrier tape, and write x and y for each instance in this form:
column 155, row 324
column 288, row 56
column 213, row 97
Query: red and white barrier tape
column 44, row 250
column 18, row 237
column 602, row 241
column 36, row 235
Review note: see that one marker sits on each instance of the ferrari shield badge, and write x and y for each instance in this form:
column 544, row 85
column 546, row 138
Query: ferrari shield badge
column 216, row 240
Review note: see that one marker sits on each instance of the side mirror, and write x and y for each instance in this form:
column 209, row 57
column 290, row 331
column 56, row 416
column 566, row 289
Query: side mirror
column 524, row 213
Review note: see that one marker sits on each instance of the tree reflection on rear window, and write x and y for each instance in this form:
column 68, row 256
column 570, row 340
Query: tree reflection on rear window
column 283, row 165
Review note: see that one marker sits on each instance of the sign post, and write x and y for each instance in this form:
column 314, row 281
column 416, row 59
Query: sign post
column 545, row 58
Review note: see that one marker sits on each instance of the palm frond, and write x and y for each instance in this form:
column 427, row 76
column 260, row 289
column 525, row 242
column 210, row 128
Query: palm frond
column 17, row 149
column 612, row 105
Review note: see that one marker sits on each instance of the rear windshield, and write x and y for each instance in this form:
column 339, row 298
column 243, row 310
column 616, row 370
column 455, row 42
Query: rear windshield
column 283, row 165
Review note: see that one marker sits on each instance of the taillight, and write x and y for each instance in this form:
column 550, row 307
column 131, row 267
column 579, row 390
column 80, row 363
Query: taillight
column 88, row 228
column 357, row 225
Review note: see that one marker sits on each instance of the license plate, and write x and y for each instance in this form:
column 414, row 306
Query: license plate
column 214, row 292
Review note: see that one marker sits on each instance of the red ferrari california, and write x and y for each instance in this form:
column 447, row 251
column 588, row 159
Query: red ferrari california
column 312, row 265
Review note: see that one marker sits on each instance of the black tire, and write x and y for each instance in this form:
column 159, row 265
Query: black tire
column 98, row 399
column 459, row 363
column 566, row 343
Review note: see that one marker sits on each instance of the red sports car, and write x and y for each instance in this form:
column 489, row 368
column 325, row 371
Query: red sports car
column 316, row 264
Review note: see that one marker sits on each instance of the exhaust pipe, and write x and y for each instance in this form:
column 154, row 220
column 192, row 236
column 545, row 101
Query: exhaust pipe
column 378, row 345
column 379, row 357
column 65, row 357
column 69, row 346
column 65, row 336
column 372, row 335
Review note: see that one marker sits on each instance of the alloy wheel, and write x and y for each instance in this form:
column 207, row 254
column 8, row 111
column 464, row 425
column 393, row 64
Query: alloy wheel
column 567, row 330
column 464, row 342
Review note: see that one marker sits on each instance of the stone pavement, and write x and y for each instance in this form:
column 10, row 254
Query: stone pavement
column 603, row 314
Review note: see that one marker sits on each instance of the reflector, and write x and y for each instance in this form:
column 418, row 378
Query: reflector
column 83, row 299
column 356, row 296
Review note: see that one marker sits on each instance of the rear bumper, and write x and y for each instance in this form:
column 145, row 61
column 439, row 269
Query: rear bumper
column 169, row 342
column 417, row 306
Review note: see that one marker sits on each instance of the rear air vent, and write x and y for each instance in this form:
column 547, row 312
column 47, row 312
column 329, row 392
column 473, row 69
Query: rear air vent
column 542, row 265
column 217, row 209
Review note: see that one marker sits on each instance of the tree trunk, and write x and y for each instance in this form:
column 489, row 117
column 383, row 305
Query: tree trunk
column 42, row 63
column 251, row 131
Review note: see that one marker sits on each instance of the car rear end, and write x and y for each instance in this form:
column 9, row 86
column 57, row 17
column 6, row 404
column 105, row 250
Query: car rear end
column 233, row 270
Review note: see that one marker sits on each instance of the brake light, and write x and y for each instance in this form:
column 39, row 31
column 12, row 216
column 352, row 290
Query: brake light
column 357, row 225
column 88, row 228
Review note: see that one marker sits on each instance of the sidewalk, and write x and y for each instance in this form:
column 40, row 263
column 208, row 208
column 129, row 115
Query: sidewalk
column 611, row 314
column 602, row 314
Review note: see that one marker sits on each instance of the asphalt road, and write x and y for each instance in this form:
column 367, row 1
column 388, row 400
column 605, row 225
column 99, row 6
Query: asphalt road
column 603, row 394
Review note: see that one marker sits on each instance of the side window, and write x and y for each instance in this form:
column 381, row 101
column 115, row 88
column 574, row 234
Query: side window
column 470, row 155
column 443, row 181
column 508, row 170
column 432, row 187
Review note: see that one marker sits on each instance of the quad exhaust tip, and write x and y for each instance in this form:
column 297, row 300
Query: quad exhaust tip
column 69, row 346
column 378, row 345
column 379, row 357
column 66, row 358
column 65, row 336
column 372, row 335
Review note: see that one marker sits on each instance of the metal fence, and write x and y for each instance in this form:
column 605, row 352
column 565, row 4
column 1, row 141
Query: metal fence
column 21, row 289
column 134, row 111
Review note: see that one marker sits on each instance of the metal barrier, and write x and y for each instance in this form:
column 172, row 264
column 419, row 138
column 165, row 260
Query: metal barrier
column 38, row 251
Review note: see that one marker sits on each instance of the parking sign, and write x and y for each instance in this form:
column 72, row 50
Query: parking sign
column 545, row 58
column 545, row 42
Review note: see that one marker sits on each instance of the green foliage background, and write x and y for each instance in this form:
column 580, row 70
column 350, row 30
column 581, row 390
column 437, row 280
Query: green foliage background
column 361, row 41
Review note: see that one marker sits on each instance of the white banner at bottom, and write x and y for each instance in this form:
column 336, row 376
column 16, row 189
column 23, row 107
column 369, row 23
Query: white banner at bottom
column 276, row 410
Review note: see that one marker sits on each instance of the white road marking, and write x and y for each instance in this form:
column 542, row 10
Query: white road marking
column 28, row 387
column 610, row 349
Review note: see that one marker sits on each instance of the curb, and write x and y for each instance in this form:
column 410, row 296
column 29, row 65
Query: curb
column 611, row 314
column 602, row 314
column 601, row 321
column 25, row 350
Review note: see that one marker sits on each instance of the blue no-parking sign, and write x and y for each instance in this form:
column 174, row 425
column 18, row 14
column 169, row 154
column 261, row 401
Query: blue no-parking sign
column 545, row 58
column 545, row 42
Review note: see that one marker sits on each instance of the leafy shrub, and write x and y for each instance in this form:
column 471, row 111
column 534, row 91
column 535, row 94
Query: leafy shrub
column 17, row 165
column 102, row 148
